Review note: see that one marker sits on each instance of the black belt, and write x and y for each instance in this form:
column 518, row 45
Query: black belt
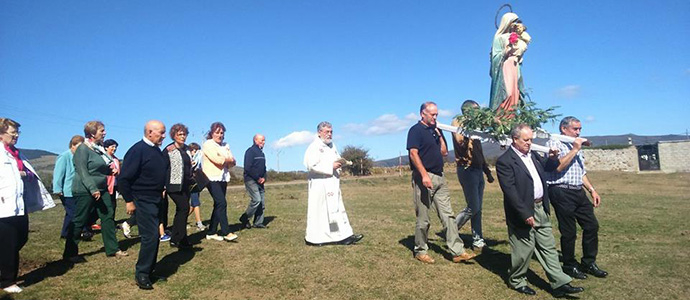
column 569, row 187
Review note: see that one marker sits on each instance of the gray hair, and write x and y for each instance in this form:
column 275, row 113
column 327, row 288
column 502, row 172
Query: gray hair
column 566, row 122
column 515, row 133
column 323, row 125
column 425, row 104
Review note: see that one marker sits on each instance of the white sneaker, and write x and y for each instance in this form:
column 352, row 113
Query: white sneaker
column 478, row 243
column 126, row 230
column 200, row 227
column 214, row 237
column 13, row 289
column 230, row 237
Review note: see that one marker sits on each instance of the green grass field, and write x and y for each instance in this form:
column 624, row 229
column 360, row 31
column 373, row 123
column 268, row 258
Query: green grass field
column 644, row 244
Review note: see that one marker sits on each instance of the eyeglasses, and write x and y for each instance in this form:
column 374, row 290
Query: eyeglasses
column 14, row 134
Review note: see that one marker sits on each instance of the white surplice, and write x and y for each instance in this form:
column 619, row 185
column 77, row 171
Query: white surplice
column 326, row 217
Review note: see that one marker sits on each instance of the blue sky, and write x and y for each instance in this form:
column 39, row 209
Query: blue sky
column 281, row 67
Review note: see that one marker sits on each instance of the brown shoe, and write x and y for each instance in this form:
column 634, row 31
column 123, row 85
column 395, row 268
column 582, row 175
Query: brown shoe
column 119, row 254
column 425, row 258
column 463, row 257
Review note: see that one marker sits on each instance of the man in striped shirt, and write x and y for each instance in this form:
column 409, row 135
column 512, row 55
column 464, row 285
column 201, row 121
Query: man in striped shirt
column 570, row 201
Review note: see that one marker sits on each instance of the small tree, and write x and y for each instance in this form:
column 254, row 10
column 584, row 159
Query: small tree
column 361, row 162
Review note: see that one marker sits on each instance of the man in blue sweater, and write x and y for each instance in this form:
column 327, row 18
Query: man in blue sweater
column 141, row 183
column 254, row 178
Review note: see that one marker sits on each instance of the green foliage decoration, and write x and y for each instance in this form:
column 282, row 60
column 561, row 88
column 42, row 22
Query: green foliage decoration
column 498, row 124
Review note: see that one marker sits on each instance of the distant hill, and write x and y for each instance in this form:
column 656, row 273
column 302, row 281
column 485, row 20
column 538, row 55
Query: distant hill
column 493, row 150
column 36, row 153
column 42, row 161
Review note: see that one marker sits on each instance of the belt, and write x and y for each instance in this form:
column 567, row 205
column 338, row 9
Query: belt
column 569, row 187
column 538, row 200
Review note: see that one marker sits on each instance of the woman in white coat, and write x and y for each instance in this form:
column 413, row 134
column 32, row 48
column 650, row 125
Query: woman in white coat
column 21, row 192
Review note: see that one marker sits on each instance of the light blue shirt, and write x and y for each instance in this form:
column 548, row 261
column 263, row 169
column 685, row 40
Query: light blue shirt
column 63, row 174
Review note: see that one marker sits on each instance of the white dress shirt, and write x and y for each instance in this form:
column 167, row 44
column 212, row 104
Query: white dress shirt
column 527, row 160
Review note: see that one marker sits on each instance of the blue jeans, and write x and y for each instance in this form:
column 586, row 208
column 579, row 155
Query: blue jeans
column 472, row 181
column 256, row 200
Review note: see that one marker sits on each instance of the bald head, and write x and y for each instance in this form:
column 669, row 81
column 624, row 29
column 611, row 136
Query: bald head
column 259, row 140
column 154, row 131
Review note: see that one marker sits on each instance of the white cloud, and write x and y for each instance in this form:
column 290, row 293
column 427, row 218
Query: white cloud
column 590, row 119
column 294, row 139
column 569, row 91
column 384, row 124
column 445, row 113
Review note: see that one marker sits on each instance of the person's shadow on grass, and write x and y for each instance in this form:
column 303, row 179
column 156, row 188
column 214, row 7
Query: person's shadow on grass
column 169, row 264
column 51, row 269
column 235, row 227
column 408, row 242
column 499, row 262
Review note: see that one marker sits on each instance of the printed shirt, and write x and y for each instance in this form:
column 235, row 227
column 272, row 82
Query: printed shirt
column 573, row 174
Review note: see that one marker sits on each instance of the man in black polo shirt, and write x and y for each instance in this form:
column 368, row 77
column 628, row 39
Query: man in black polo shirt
column 427, row 147
column 141, row 184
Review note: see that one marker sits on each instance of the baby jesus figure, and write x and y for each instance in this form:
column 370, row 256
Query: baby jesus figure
column 518, row 40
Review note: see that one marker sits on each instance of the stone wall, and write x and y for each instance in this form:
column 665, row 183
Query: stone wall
column 674, row 156
column 612, row 160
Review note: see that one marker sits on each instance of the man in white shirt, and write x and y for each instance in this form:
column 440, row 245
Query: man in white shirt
column 521, row 175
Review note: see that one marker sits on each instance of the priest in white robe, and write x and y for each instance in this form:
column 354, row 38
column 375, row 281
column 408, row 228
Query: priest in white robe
column 327, row 221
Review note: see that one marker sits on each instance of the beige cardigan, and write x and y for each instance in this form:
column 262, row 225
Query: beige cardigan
column 213, row 162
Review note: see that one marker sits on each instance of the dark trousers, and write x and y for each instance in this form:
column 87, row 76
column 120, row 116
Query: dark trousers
column 85, row 206
column 163, row 213
column 179, row 227
column 132, row 220
column 68, row 204
column 573, row 206
column 114, row 200
column 218, row 189
column 147, row 212
column 14, row 232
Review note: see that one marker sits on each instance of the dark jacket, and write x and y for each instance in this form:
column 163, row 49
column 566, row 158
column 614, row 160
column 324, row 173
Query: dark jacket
column 143, row 172
column 518, row 186
column 254, row 163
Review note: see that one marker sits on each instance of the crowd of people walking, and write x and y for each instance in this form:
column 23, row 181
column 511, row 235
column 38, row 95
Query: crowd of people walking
column 88, row 178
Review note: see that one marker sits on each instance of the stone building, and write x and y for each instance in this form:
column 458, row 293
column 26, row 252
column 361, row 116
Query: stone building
column 664, row 156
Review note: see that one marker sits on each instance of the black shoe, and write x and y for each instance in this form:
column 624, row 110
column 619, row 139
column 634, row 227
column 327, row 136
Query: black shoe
column 144, row 283
column 260, row 226
column 574, row 272
column 566, row 289
column 181, row 245
column 594, row 270
column 75, row 259
column 314, row 244
column 86, row 236
column 351, row 239
column 526, row 290
column 244, row 219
